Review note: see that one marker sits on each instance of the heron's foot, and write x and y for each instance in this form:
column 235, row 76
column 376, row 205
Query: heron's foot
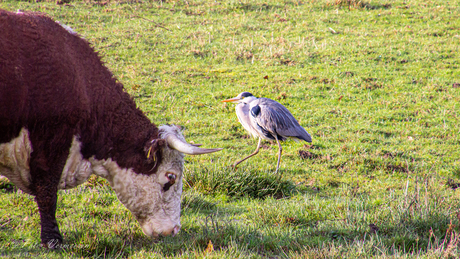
column 234, row 166
column 277, row 171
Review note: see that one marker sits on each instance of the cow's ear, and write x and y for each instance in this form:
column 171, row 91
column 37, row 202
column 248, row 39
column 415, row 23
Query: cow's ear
column 152, row 150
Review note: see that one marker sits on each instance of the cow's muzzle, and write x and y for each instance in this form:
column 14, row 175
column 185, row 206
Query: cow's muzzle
column 148, row 230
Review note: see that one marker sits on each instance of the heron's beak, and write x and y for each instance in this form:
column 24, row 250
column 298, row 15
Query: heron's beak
column 231, row 100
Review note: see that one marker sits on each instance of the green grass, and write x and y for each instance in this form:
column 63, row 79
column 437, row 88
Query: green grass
column 376, row 83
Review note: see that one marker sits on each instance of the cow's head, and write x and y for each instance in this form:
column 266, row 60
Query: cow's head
column 155, row 199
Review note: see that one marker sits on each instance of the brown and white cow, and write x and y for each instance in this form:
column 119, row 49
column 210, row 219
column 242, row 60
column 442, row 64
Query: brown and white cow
column 63, row 117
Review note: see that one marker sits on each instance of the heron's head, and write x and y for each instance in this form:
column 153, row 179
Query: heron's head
column 244, row 97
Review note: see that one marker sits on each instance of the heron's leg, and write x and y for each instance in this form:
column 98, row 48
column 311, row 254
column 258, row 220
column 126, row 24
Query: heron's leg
column 279, row 154
column 254, row 153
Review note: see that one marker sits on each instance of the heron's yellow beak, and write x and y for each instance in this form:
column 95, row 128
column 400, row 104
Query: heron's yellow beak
column 231, row 100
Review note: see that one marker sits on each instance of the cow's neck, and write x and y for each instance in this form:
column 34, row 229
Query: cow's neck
column 119, row 134
column 115, row 152
column 78, row 169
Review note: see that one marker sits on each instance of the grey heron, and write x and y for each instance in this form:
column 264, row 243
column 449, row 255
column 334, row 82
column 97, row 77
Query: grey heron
column 267, row 119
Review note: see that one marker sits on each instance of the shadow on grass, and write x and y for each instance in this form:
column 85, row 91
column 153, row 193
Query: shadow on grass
column 273, row 241
column 239, row 183
column 254, row 7
column 195, row 201
column 409, row 236
column 357, row 4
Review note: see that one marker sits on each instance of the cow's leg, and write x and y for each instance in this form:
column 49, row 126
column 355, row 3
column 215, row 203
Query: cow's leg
column 46, row 198
column 46, row 165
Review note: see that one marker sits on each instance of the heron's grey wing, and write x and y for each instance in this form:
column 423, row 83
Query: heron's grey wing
column 274, row 118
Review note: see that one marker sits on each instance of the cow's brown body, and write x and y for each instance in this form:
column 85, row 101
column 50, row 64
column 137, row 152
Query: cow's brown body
column 54, row 84
column 54, row 87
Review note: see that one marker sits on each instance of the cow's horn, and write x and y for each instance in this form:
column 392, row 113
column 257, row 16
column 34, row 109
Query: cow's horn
column 186, row 148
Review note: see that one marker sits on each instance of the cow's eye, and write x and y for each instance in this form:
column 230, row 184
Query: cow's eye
column 171, row 180
column 171, row 177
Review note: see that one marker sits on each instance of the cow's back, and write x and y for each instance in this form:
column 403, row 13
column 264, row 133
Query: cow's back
column 46, row 74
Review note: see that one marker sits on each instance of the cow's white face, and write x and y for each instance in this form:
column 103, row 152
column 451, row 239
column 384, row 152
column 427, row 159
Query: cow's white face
column 163, row 215
column 153, row 199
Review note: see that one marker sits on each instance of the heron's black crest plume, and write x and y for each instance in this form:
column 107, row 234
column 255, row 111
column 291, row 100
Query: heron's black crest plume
column 246, row 94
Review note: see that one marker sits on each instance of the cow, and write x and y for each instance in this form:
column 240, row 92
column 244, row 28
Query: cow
column 64, row 116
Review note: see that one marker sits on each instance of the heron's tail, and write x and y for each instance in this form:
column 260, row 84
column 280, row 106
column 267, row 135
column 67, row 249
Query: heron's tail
column 303, row 135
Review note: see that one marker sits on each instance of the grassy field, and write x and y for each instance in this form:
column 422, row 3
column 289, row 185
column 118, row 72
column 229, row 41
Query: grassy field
column 376, row 83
